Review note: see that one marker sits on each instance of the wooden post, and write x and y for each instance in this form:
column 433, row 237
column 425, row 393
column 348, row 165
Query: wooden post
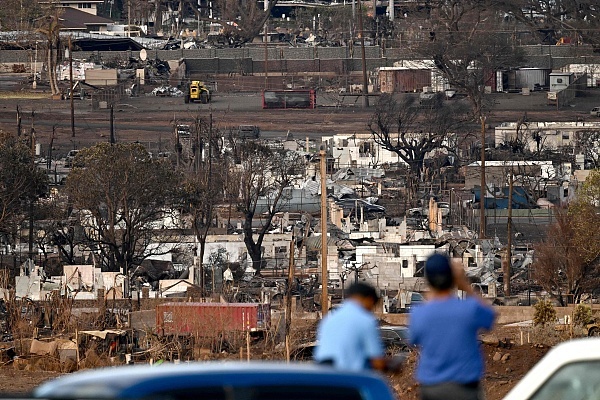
column 483, row 185
column 77, row 347
column 248, row 346
column 324, row 295
column 288, row 300
column 521, row 337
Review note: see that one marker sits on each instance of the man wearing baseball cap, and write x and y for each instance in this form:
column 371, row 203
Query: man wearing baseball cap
column 446, row 329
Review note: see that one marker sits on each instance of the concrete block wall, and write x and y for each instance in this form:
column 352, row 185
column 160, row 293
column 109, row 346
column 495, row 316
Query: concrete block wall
column 339, row 60
column 218, row 65
column 228, row 65
column 298, row 66
column 337, row 66
column 328, row 53
column 557, row 51
column 506, row 315
column 573, row 52
column 18, row 56
column 298, row 53
column 226, row 53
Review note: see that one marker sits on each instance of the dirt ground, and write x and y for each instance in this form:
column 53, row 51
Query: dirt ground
column 149, row 119
column 501, row 376
column 506, row 363
column 13, row 381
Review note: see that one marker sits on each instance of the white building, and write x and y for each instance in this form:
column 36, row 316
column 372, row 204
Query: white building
column 88, row 6
column 391, row 266
column 551, row 135
column 273, row 244
column 560, row 80
column 358, row 150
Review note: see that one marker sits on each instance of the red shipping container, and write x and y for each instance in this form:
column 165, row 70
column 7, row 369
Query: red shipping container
column 211, row 319
column 411, row 80
column 297, row 98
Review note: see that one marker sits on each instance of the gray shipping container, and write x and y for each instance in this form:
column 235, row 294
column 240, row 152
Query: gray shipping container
column 532, row 77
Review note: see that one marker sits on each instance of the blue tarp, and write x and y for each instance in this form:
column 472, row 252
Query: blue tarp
column 520, row 199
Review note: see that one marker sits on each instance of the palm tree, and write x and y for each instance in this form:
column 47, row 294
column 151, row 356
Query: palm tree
column 49, row 26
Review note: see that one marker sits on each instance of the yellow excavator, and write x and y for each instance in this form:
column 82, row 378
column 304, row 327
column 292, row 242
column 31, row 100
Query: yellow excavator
column 197, row 90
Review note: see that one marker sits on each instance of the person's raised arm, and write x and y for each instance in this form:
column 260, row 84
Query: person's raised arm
column 487, row 316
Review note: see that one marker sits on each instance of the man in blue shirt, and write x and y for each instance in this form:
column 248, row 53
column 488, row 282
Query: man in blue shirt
column 446, row 331
column 348, row 338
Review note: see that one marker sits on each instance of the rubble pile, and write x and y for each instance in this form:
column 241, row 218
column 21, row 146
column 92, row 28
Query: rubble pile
column 167, row 91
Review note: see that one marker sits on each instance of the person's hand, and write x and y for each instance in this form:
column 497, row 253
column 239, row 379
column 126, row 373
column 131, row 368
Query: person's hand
column 460, row 278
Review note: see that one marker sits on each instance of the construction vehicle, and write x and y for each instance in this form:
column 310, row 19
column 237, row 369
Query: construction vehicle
column 197, row 91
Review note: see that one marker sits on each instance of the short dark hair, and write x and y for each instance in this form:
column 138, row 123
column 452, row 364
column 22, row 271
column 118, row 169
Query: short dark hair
column 438, row 271
column 361, row 289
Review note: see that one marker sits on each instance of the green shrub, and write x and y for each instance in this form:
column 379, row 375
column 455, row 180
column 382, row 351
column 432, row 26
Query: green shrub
column 544, row 313
column 582, row 315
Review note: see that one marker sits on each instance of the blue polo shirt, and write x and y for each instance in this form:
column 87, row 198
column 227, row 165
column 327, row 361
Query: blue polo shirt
column 446, row 331
column 349, row 336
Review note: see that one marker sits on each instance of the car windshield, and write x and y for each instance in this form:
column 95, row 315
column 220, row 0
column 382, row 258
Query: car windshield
column 402, row 332
column 577, row 381
column 417, row 297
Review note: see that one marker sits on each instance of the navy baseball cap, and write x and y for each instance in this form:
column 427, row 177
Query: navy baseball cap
column 438, row 271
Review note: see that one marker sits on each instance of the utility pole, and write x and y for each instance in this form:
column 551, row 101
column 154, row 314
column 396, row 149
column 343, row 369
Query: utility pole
column 71, row 86
column 32, row 191
column 266, row 27
column 34, row 85
column 288, row 300
column 209, row 218
column 365, row 90
column 129, row 19
column 324, row 294
column 266, row 56
column 112, row 125
column 483, row 185
column 508, row 265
